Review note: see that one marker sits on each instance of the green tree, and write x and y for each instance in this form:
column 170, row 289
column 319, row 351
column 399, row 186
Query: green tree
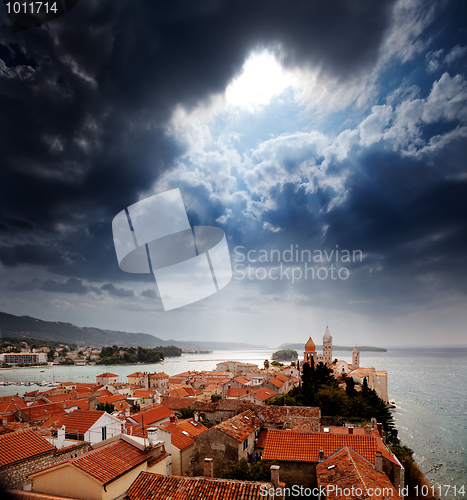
column 51, row 354
column 186, row 412
column 309, row 384
column 350, row 386
column 107, row 407
column 215, row 398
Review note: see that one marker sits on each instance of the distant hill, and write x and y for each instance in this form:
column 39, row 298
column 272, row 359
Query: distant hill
column 67, row 333
column 301, row 347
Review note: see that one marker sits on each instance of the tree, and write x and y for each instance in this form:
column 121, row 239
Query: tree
column 350, row 386
column 51, row 354
column 107, row 407
column 186, row 413
column 266, row 364
column 309, row 384
column 215, row 397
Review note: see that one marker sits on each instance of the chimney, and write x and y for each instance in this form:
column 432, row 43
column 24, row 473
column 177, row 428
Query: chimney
column 321, row 456
column 208, row 467
column 367, row 430
column 60, row 437
column 380, row 429
column 350, row 430
column 172, row 419
column 275, row 475
column 378, row 461
column 196, row 416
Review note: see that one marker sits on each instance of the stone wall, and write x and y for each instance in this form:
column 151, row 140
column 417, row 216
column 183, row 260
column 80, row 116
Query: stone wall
column 214, row 444
column 15, row 476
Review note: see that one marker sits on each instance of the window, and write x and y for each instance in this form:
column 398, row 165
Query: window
column 245, row 444
column 104, row 433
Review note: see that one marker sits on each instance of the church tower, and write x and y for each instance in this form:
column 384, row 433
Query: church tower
column 355, row 358
column 310, row 351
column 327, row 347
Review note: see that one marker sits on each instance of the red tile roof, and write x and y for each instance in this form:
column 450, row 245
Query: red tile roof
column 294, row 446
column 22, row 444
column 348, row 469
column 240, row 426
column 159, row 375
column 361, row 432
column 106, row 375
column 105, row 463
column 276, row 382
column 79, row 421
column 181, row 441
column 261, row 438
column 237, row 392
column 111, row 399
column 152, row 414
column 241, row 380
column 149, row 486
column 11, row 403
column 193, row 428
column 136, row 374
column 47, row 413
column 263, row 394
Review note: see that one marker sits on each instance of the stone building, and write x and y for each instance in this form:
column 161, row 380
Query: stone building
column 226, row 443
column 25, row 451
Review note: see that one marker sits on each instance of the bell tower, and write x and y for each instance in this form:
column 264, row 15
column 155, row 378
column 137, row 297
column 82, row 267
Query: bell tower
column 355, row 358
column 310, row 351
column 327, row 347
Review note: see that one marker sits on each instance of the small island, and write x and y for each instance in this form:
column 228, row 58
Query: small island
column 285, row 355
column 115, row 355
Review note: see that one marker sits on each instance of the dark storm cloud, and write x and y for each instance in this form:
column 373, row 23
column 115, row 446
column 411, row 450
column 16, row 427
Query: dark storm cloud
column 72, row 285
column 85, row 99
column 117, row 292
column 30, row 254
column 150, row 293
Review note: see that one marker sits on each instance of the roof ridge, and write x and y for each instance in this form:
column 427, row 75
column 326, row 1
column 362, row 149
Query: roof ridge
column 357, row 470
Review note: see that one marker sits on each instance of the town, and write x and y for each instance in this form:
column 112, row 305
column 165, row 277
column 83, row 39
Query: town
column 227, row 433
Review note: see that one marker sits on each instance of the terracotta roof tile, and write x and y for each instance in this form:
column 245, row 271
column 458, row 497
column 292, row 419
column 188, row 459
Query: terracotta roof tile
column 47, row 413
column 242, row 380
column 261, row 438
column 22, row 444
column 106, row 375
column 79, row 421
column 152, row 414
column 105, row 463
column 347, row 469
column 111, row 399
column 294, row 446
column 159, row 375
column 11, row 403
column 178, row 439
column 237, row 392
column 149, row 486
column 263, row 394
column 276, row 382
column 240, row 426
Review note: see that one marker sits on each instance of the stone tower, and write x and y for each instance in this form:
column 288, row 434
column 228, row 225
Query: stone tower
column 355, row 358
column 310, row 351
column 327, row 347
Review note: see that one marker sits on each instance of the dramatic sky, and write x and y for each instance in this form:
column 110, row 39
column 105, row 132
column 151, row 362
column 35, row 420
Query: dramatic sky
column 324, row 126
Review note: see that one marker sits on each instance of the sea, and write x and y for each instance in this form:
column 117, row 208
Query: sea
column 427, row 385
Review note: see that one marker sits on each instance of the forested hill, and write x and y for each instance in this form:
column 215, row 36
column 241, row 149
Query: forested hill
column 25, row 326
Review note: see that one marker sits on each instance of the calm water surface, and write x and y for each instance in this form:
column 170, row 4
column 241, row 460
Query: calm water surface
column 428, row 386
